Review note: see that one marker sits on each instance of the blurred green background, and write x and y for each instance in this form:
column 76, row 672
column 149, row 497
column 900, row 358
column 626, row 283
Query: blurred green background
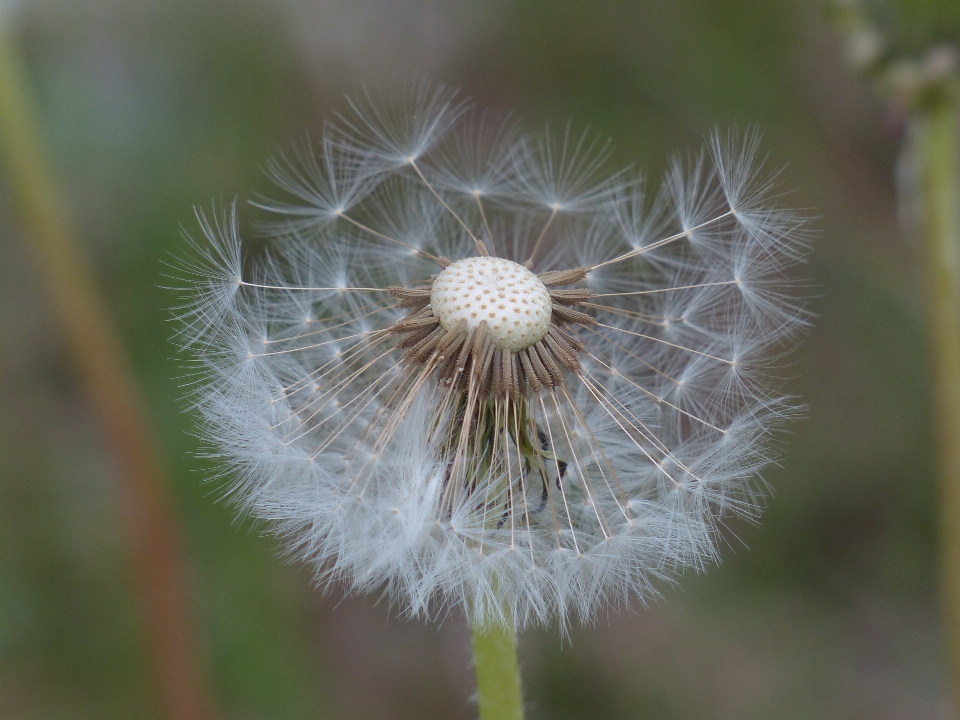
column 826, row 610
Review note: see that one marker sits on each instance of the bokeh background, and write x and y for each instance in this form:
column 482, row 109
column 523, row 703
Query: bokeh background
column 827, row 609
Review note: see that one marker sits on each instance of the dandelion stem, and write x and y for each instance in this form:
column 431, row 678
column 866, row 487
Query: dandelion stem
column 934, row 145
column 113, row 392
column 498, row 673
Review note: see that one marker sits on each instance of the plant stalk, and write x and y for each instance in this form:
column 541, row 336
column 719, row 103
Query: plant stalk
column 102, row 367
column 498, row 673
column 935, row 147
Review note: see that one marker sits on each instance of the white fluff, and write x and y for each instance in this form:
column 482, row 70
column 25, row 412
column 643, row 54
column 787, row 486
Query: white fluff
column 663, row 433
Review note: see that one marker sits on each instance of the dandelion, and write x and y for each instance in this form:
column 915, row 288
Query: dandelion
column 477, row 369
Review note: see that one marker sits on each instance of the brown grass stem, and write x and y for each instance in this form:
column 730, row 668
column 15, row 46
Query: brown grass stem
column 103, row 370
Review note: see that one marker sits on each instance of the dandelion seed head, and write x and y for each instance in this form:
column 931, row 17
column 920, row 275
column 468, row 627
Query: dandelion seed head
column 486, row 370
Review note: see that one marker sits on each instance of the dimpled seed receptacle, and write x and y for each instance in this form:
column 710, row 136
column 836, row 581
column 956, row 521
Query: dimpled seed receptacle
column 512, row 300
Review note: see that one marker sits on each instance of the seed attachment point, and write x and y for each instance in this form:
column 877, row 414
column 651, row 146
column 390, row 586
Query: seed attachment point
column 513, row 302
column 491, row 326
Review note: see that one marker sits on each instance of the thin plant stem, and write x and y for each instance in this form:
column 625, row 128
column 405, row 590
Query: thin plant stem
column 498, row 673
column 103, row 370
column 934, row 145
column 928, row 88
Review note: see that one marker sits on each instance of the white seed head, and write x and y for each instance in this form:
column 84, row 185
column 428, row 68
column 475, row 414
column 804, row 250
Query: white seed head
column 584, row 441
column 512, row 300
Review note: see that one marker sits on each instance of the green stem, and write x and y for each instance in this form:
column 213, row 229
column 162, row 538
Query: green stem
column 498, row 673
column 935, row 147
column 102, row 367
